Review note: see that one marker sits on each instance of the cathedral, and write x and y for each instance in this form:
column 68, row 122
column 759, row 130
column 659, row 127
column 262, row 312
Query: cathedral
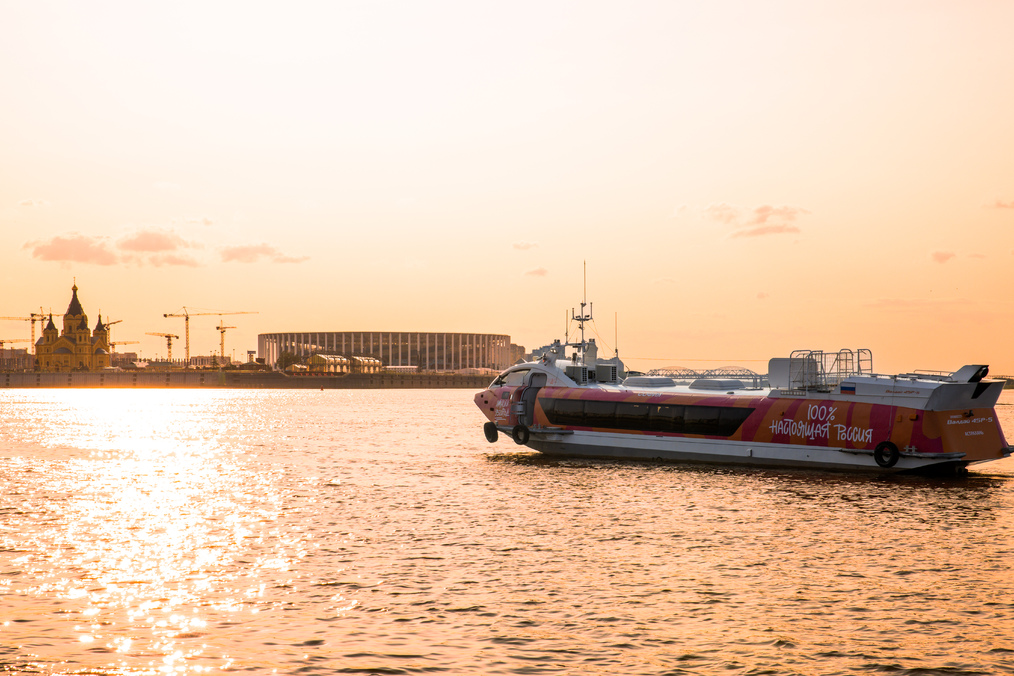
column 76, row 348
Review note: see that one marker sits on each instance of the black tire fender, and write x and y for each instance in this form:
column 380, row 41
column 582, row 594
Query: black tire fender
column 489, row 429
column 886, row 454
column 520, row 435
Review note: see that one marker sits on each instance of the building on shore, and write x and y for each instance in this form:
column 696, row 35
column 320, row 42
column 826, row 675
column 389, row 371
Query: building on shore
column 16, row 359
column 426, row 351
column 76, row 348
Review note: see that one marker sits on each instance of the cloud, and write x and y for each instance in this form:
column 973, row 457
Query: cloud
column 74, row 248
column 255, row 252
column 942, row 256
column 33, row 203
column 723, row 213
column 159, row 260
column 765, row 230
column 524, row 246
column 537, row 272
column 762, row 295
column 1002, row 205
column 765, row 213
column 198, row 220
column 152, row 240
column 759, row 221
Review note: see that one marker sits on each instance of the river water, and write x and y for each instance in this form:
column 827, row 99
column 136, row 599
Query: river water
column 376, row 532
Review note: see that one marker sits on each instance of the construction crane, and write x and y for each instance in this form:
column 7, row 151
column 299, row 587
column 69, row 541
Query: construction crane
column 168, row 343
column 186, row 314
column 112, row 348
column 4, row 341
column 33, row 317
column 221, row 329
column 108, row 324
column 113, row 345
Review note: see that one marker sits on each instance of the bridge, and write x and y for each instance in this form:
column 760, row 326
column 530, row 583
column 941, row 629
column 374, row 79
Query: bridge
column 683, row 374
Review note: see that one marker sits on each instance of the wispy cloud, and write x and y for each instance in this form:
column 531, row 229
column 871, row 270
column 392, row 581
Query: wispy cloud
column 758, row 221
column 163, row 259
column 33, row 203
column 1002, row 205
column 942, row 256
column 73, row 248
column 764, row 213
column 537, row 272
column 197, row 220
column 152, row 240
column 723, row 213
column 524, row 246
column 256, row 252
column 158, row 247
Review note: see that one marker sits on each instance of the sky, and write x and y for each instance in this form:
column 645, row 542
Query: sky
column 740, row 179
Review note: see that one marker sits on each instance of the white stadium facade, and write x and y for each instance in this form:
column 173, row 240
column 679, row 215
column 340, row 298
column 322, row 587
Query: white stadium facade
column 425, row 351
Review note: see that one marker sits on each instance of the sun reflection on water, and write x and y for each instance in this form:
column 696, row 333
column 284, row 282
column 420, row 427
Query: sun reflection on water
column 155, row 526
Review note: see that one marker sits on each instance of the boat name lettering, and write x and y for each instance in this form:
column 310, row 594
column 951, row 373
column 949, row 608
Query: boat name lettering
column 974, row 433
column 502, row 407
column 821, row 412
column 862, row 435
column 806, row 430
column 890, row 391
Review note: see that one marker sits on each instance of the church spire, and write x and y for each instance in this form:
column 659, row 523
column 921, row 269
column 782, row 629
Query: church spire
column 75, row 305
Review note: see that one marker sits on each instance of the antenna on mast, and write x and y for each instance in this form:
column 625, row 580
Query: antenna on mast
column 583, row 317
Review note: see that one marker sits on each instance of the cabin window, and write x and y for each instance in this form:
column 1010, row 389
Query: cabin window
column 510, row 378
column 673, row 418
column 701, row 419
column 564, row 411
column 599, row 413
column 632, row 416
column 665, row 418
column 731, row 419
column 515, row 378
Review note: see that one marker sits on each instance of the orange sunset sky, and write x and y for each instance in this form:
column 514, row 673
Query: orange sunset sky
column 742, row 178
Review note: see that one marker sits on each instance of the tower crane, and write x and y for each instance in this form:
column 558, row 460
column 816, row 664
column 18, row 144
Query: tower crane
column 221, row 329
column 4, row 341
column 168, row 343
column 108, row 324
column 186, row 314
column 33, row 317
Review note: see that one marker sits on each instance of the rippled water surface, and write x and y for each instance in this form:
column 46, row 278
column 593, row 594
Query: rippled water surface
column 376, row 532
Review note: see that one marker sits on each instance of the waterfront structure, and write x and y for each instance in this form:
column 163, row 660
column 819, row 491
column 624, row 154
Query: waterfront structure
column 427, row 351
column 76, row 348
column 16, row 359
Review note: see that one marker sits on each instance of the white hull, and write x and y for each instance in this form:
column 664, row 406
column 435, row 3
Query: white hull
column 717, row 451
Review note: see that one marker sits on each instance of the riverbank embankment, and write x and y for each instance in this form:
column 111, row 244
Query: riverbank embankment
column 242, row 380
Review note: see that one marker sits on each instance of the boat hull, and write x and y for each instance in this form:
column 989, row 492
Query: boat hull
column 723, row 452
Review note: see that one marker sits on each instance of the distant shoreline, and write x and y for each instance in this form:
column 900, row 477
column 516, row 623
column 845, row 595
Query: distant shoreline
column 239, row 380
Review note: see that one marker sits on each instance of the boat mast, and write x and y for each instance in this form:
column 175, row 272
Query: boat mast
column 582, row 318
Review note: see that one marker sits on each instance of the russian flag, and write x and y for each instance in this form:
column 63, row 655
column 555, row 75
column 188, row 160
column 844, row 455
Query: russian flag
column 848, row 388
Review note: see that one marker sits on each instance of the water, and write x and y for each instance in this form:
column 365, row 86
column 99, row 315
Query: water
column 375, row 532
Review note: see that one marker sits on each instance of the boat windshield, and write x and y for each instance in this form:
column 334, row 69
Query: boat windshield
column 511, row 378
